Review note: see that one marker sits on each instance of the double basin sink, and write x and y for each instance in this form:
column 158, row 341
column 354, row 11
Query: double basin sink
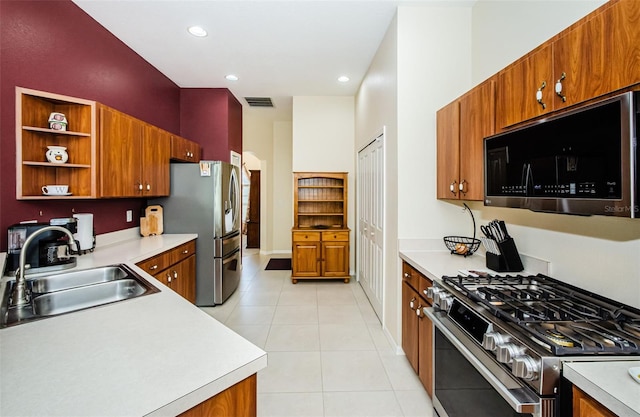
column 71, row 291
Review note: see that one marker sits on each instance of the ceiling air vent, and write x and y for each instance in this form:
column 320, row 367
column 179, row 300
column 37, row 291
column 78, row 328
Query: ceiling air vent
column 259, row 101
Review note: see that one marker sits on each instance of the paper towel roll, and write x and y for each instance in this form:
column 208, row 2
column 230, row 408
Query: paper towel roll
column 85, row 230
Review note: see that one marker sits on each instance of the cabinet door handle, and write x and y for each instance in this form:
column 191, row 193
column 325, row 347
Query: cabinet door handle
column 462, row 187
column 452, row 187
column 559, row 87
column 152, row 267
column 539, row 95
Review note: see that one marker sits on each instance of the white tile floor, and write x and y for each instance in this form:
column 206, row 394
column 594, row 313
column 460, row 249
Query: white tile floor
column 327, row 353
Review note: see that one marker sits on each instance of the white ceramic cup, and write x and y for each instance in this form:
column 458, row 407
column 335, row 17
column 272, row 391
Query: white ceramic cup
column 55, row 189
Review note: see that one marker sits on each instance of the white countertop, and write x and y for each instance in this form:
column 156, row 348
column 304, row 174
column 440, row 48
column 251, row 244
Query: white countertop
column 152, row 355
column 609, row 383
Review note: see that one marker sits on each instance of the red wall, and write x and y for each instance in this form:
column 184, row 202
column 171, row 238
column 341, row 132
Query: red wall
column 213, row 118
column 54, row 46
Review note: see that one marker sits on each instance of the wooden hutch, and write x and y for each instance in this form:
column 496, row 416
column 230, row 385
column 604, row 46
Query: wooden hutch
column 320, row 236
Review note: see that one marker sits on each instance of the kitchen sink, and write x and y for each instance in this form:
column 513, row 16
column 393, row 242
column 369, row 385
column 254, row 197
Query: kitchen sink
column 65, row 281
column 71, row 291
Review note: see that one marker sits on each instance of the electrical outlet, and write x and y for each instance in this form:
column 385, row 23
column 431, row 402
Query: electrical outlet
column 129, row 216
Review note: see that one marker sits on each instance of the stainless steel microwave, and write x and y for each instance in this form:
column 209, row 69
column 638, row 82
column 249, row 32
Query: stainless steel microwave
column 582, row 162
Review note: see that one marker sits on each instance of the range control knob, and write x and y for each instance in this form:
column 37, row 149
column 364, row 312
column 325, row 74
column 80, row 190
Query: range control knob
column 432, row 291
column 438, row 296
column 491, row 340
column 524, row 366
column 505, row 353
column 445, row 302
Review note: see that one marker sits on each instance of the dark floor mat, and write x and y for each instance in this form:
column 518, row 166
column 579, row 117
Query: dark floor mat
column 278, row 264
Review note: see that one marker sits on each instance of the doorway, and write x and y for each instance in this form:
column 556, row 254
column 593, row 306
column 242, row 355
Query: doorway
column 253, row 210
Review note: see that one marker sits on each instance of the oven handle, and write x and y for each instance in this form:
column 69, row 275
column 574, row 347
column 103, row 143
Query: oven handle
column 518, row 400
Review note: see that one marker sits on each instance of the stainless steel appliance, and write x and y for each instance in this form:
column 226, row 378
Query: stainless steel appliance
column 583, row 162
column 501, row 341
column 205, row 199
column 48, row 252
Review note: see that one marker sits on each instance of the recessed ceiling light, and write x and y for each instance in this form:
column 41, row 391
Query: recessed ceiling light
column 231, row 77
column 197, row 31
column 343, row 79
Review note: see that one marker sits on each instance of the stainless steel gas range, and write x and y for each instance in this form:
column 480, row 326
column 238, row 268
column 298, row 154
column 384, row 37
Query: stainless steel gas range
column 500, row 342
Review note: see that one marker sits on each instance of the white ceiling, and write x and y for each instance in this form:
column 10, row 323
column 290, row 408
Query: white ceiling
column 278, row 49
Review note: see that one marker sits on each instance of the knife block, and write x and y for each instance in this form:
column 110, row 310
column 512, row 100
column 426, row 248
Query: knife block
column 508, row 260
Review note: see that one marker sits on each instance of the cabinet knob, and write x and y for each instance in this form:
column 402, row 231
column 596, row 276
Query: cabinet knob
column 168, row 277
column 419, row 311
column 185, row 251
column 148, row 187
column 559, row 87
column 412, row 302
column 140, row 186
column 152, row 267
column 407, row 275
column 539, row 95
column 175, row 275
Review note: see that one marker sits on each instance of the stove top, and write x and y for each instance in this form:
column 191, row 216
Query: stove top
column 563, row 319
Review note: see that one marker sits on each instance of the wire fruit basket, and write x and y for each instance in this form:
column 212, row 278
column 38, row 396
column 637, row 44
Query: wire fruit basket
column 460, row 245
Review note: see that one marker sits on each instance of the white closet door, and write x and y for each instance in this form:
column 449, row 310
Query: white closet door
column 370, row 234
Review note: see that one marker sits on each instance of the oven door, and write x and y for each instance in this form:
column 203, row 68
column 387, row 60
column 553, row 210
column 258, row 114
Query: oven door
column 468, row 382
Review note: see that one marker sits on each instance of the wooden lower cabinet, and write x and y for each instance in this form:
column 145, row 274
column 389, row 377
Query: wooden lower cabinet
column 175, row 268
column 585, row 406
column 317, row 255
column 238, row 400
column 417, row 328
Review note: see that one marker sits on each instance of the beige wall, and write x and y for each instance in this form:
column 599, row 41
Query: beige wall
column 503, row 31
column 282, row 187
column 323, row 141
column 376, row 107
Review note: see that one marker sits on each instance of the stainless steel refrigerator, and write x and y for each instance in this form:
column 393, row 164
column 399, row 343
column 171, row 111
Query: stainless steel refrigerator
column 205, row 199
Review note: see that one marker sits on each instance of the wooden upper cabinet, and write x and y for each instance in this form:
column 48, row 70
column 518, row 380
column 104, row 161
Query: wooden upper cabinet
column 448, row 150
column 461, row 129
column 120, row 154
column 596, row 56
column 520, row 86
column 477, row 121
column 184, row 150
column 134, row 156
column 155, row 165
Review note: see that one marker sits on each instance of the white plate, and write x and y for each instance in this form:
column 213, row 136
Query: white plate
column 56, row 195
column 635, row 373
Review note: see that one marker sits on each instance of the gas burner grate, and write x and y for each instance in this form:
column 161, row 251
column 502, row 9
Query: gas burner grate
column 567, row 319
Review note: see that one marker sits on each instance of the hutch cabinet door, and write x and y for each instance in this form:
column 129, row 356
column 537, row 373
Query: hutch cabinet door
column 306, row 259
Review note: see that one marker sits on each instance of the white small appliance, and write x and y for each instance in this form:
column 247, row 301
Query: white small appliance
column 85, row 235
